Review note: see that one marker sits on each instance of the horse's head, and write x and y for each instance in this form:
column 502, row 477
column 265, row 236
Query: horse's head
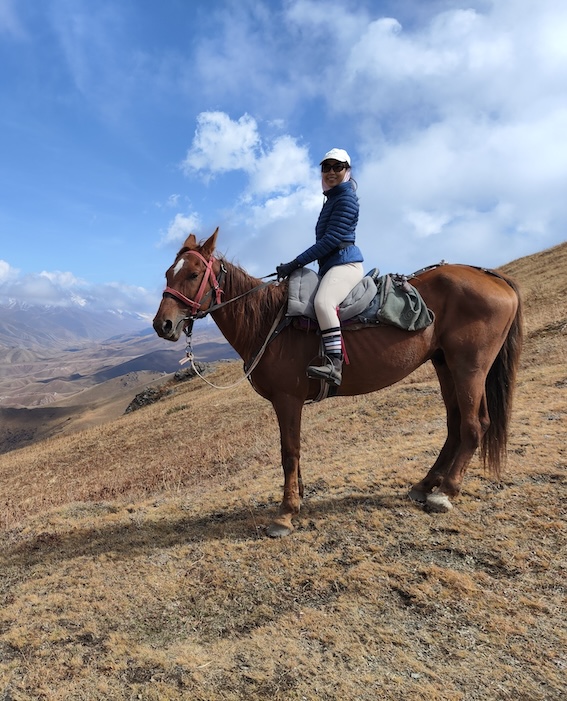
column 191, row 286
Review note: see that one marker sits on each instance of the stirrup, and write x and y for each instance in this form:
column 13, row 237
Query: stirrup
column 330, row 371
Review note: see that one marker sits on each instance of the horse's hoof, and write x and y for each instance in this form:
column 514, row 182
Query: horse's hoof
column 417, row 495
column 276, row 529
column 439, row 503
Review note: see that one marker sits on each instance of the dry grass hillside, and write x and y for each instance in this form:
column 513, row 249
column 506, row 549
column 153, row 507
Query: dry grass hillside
column 135, row 564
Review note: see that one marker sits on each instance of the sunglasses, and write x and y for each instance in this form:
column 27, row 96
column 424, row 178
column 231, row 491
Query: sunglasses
column 327, row 167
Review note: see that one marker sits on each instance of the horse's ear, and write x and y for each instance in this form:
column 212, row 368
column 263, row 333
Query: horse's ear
column 210, row 244
column 190, row 242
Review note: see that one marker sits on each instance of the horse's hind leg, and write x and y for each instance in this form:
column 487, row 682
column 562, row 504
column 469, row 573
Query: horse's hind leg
column 421, row 492
column 288, row 410
column 475, row 421
column 473, row 424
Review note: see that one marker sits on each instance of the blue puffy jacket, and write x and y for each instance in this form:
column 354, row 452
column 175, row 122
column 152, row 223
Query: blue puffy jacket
column 335, row 230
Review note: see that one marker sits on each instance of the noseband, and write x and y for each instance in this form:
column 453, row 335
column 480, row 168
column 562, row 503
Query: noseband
column 194, row 305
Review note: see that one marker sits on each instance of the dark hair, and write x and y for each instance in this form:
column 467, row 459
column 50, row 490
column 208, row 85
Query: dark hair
column 353, row 181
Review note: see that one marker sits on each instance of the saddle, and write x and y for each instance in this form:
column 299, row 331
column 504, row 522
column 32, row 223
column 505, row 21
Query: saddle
column 376, row 299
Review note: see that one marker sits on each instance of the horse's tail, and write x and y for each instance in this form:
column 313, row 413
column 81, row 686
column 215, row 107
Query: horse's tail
column 500, row 384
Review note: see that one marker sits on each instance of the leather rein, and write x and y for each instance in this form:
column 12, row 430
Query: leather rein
column 194, row 305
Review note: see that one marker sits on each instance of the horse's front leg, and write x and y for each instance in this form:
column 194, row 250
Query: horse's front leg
column 288, row 410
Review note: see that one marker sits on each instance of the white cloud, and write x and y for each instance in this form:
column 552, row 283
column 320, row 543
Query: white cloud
column 60, row 279
column 179, row 228
column 456, row 120
column 133, row 298
column 301, row 202
column 280, row 195
column 427, row 223
column 172, row 202
column 44, row 289
column 465, row 190
column 427, row 75
column 278, row 181
column 282, row 168
column 7, row 272
column 335, row 23
column 221, row 144
column 65, row 290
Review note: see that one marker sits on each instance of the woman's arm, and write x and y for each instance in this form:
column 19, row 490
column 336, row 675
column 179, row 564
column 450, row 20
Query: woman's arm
column 338, row 229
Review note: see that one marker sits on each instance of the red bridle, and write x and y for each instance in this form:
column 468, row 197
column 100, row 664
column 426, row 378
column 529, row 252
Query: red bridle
column 195, row 304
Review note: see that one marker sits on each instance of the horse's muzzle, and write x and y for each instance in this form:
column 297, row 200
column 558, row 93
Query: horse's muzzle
column 165, row 328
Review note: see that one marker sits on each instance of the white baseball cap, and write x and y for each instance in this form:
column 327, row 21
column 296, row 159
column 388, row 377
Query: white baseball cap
column 336, row 154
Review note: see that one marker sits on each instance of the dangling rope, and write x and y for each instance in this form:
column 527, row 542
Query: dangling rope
column 190, row 357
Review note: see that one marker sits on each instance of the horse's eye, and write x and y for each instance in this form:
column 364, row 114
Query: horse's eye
column 193, row 276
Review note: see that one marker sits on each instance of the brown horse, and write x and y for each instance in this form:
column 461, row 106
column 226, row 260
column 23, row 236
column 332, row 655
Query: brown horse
column 474, row 345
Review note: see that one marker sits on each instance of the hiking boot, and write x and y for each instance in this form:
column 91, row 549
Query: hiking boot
column 330, row 371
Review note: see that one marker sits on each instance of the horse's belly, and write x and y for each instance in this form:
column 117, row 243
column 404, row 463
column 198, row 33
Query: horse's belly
column 379, row 357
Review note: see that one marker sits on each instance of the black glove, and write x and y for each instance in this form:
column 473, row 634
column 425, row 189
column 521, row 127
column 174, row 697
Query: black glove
column 286, row 269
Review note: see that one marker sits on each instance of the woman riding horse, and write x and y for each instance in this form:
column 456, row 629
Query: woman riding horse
column 340, row 260
column 474, row 345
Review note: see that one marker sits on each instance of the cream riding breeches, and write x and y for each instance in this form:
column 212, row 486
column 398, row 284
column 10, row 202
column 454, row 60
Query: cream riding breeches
column 333, row 289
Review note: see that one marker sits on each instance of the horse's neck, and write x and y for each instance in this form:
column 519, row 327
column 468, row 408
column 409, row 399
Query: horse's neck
column 245, row 321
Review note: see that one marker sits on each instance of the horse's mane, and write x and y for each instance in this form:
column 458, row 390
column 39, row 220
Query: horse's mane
column 254, row 313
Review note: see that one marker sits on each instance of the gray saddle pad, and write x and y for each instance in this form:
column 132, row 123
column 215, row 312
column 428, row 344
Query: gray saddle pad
column 386, row 299
column 303, row 284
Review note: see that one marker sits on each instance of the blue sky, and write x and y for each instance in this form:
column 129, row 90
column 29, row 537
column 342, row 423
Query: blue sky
column 125, row 126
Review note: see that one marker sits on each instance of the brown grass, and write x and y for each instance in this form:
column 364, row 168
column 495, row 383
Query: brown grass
column 135, row 566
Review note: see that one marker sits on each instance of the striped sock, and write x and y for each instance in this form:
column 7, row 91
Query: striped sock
column 332, row 342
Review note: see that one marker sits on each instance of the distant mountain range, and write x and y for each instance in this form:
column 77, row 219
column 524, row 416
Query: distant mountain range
column 49, row 354
column 23, row 325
